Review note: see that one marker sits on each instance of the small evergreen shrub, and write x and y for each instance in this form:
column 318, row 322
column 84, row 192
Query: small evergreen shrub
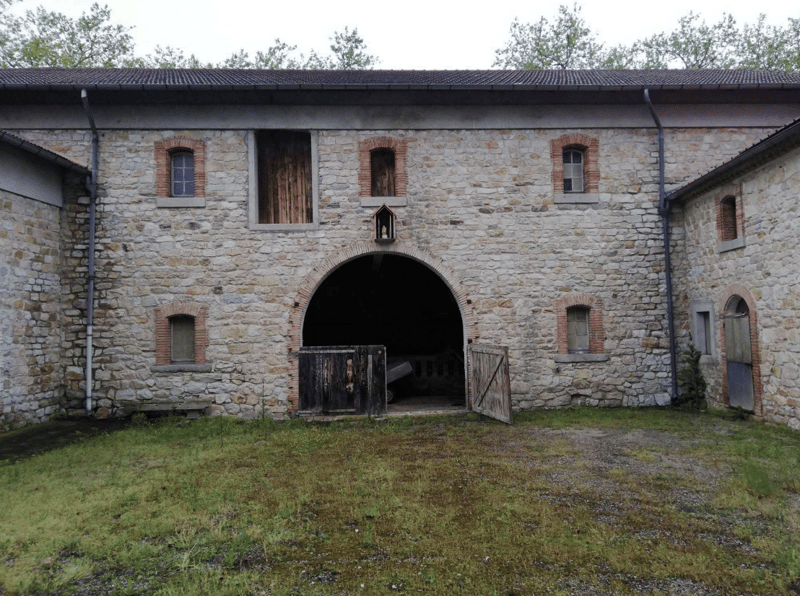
column 693, row 385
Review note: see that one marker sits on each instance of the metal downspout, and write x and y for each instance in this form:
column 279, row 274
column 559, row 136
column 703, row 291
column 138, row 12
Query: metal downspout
column 664, row 209
column 91, row 186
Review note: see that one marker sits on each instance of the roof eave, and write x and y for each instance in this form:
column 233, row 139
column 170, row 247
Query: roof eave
column 779, row 143
column 42, row 153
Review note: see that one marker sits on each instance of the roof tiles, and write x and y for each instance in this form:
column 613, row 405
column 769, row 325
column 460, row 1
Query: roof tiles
column 527, row 79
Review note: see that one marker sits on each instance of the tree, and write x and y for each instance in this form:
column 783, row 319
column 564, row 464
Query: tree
column 44, row 38
column 693, row 44
column 570, row 43
column 349, row 52
column 769, row 47
column 566, row 44
column 693, row 385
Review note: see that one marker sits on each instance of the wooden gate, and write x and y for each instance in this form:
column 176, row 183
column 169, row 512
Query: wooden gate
column 489, row 381
column 343, row 379
column 739, row 359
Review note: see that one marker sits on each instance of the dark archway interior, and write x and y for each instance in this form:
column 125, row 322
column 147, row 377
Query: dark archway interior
column 394, row 301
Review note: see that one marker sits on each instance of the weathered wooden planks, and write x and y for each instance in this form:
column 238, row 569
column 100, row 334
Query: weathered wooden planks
column 343, row 379
column 490, row 382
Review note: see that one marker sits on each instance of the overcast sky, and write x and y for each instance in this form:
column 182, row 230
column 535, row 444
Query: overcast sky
column 413, row 34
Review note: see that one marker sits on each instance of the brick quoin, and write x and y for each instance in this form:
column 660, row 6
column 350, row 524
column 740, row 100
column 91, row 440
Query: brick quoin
column 314, row 279
column 729, row 228
column 163, row 150
column 591, row 171
column 162, row 315
column 400, row 148
column 731, row 293
column 596, row 333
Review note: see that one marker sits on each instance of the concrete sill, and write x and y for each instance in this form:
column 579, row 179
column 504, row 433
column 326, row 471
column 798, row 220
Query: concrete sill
column 180, row 202
column 732, row 244
column 175, row 368
column 284, row 227
column 576, row 198
column 388, row 201
column 570, row 358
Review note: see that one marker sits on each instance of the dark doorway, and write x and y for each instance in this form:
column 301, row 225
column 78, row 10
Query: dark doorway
column 397, row 302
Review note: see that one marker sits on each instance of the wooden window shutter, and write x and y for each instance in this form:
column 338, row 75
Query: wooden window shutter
column 284, row 177
column 182, row 338
column 383, row 172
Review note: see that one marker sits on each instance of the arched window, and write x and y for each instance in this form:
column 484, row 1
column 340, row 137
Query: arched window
column 579, row 325
column 182, row 174
column 573, row 170
column 181, row 334
column 382, row 171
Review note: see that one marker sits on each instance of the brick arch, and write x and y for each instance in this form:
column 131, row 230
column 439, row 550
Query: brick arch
column 400, row 148
column 164, row 148
column 726, row 297
column 596, row 333
column 162, row 315
column 321, row 272
column 591, row 171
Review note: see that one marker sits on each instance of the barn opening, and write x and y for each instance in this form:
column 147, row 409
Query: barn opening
column 397, row 302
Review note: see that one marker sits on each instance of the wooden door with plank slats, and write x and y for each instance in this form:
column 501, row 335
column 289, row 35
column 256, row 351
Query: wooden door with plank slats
column 490, row 381
column 343, row 379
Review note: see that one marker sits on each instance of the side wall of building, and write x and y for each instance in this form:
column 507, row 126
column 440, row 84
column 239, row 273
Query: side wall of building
column 31, row 365
column 481, row 202
column 760, row 266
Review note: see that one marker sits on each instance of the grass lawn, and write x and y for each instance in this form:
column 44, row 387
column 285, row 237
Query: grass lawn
column 578, row 501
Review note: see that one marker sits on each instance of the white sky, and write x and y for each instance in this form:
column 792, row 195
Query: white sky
column 413, row 34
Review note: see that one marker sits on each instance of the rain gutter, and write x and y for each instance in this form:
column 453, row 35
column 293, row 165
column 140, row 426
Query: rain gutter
column 664, row 209
column 91, row 186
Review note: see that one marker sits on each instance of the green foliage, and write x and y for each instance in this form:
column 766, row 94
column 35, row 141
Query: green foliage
column 694, row 44
column 568, row 43
column 43, row 38
column 692, row 382
column 348, row 52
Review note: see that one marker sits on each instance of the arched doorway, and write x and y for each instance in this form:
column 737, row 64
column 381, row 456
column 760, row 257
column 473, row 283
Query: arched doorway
column 739, row 354
column 395, row 301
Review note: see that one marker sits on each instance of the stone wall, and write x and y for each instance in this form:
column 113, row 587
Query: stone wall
column 32, row 371
column 480, row 202
column 764, row 270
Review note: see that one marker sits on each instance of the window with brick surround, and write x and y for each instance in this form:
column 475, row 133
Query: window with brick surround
column 383, row 173
column 181, row 334
column 576, row 174
column 579, row 322
column 180, row 172
column 730, row 218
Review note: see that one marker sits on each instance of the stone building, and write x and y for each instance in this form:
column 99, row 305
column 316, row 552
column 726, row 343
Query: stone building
column 738, row 277
column 241, row 215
